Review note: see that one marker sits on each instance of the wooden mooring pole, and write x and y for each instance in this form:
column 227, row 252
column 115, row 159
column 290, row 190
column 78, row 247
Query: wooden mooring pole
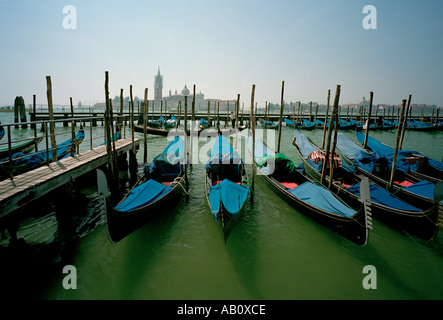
column 252, row 121
column 282, row 105
column 397, row 143
column 145, row 123
column 51, row 118
column 328, row 140
column 368, row 120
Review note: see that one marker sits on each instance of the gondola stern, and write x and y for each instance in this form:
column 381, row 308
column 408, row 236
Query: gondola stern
column 102, row 190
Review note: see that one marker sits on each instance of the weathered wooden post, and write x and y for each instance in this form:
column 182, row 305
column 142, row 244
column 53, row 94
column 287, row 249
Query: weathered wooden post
column 132, row 152
column 368, row 120
column 51, row 119
column 282, row 106
column 334, row 144
column 34, row 126
column 209, row 114
column 242, row 112
column 403, row 126
column 16, row 111
column 328, row 141
column 252, row 120
column 186, row 115
column 237, row 108
column 326, row 119
column 397, row 144
column 110, row 158
column 72, row 110
column 145, row 121
column 316, row 111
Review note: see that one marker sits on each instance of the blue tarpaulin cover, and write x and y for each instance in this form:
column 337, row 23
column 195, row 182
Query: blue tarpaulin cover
column 35, row 159
column 222, row 153
column 401, row 164
column 383, row 197
column 321, row 198
column 232, row 195
column 289, row 122
column 305, row 146
column 142, row 195
column 166, row 163
column 348, row 147
column 423, row 188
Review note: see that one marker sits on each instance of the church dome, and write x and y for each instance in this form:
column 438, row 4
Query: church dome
column 185, row 91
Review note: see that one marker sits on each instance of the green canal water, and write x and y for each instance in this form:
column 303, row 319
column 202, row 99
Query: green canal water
column 273, row 252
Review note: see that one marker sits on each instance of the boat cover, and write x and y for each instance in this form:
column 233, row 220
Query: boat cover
column 401, row 164
column 423, row 188
column 383, row 197
column 348, row 147
column 312, row 153
column 289, row 122
column 143, row 195
column 232, row 195
column 168, row 162
column 35, row 159
column 305, row 146
column 322, row 198
column 222, row 153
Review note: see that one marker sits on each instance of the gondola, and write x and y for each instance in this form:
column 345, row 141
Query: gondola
column 162, row 184
column 268, row 124
column 226, row 186
column 415, row 125
column 376, row 167
column 24, row 146
column 311, row 199
column 304, row 125
column 385, row 206
column 170, row 123
column 407, row 160
column 199, row 132
column 156, row 123
column 344, row 125
column 22, row 162
column 2, row 131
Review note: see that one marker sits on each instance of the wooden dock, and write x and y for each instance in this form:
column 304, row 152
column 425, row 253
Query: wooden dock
column 33, row 184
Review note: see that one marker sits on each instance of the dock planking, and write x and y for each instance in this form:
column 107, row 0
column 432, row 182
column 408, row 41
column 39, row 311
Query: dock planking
column 33, row 184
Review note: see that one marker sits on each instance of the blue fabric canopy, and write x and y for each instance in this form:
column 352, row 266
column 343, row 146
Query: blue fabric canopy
column 348, row 147
column 35, row 159
column 401, row 164
column 142, row 195
column 232, row 195
column 383, row 197
column 305, row 146
column 423, row 188
column 168, row 162
column 321, row 198
column 222, row 153
column 289, row 122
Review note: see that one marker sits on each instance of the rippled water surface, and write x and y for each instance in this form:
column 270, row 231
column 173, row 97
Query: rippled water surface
column 273, row 252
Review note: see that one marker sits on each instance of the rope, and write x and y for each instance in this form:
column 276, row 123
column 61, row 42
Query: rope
column 246, row 183
column 178, row 181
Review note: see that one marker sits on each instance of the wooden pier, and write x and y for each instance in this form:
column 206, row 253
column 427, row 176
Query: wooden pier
column 29, row 186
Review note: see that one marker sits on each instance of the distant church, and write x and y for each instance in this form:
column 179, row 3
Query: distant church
column 173, row 99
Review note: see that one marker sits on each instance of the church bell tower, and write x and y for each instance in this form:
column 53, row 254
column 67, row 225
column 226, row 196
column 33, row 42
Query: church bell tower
column 158, row 86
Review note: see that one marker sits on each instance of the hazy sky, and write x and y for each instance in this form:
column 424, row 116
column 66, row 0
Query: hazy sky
column 223, row 47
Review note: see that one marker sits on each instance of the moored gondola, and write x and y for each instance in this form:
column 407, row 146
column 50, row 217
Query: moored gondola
column 162, row 185
column 375, row 166
column 226, row 184
column 409, row 161
column 385, row 206
column 23, row 162
column 311, row 199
